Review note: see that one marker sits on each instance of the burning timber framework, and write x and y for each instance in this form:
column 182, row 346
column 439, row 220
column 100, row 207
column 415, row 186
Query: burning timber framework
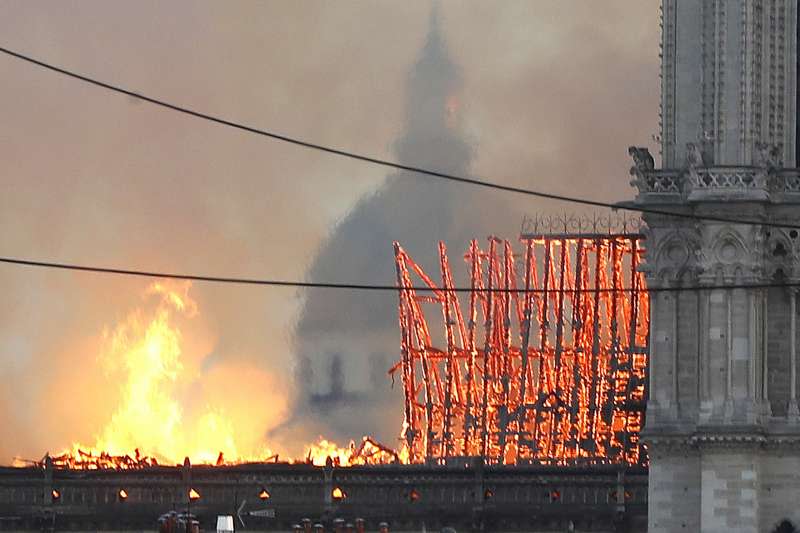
column 559, row 374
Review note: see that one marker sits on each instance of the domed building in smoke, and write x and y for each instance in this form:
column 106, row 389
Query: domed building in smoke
column 346, row 342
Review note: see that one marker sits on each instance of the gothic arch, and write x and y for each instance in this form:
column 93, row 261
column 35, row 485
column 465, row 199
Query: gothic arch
column 729, row 247
column 674, row 257
column 728, row 255
column 779, row 254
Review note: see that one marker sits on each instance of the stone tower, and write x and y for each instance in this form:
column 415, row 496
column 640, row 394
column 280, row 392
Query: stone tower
column 723, row 426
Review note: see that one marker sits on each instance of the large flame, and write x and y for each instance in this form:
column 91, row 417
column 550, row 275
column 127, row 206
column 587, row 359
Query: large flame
column 171, row 406
column 168, row 407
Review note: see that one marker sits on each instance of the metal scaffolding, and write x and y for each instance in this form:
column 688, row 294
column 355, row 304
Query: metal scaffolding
column 558, row 374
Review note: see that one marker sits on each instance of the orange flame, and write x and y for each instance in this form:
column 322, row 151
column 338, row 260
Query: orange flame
column 171, row 410
column 166, row 404
column 368, row 452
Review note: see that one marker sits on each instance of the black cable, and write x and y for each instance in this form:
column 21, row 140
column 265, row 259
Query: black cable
column 364, row 286
column 383, row 162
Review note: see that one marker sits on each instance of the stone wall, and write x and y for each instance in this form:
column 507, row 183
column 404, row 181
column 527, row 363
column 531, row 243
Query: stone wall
column 675, row 491
column 779, row 489
column 728, row 499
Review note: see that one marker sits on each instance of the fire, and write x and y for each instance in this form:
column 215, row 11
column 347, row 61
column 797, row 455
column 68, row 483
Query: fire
column 167, row 405
column 168, row 408
column 319, row 453
column 368, row 452
column 558, row 374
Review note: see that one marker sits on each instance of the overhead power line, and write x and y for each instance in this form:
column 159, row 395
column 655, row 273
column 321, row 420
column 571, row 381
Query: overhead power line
column 383, row 162
column 365, row 286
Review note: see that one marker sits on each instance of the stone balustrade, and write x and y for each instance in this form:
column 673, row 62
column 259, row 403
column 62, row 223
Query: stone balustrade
column 748, row 182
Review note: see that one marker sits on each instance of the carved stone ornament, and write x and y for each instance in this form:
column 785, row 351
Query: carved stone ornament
column 729, row 441
column 766, row 156
column 694, row 156
column 675, row 256
column 643, row 164
column 780, row 252
column 726, row 255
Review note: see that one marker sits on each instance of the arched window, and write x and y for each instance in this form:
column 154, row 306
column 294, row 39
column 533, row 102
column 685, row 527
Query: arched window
column 785, row 527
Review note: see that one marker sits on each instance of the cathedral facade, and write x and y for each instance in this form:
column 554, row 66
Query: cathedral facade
column 723, row 263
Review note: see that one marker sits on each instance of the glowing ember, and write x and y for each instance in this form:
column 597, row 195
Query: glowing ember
column 169, row 409
column 169, row 402
column 368, row 452
column 559, row 375
column 322, row 453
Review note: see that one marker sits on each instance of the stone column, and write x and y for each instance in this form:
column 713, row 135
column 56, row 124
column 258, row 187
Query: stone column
column 728, row 354
column 752, row 334
column 794, row 412
column 675, row 404
column 706, row 400
column 765, row 352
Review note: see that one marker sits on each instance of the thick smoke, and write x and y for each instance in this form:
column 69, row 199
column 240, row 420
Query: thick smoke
column 347, row 341
column 549, row 95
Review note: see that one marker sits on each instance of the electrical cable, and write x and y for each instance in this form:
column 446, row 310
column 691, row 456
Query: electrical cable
column 370, row 287
column 386, row 163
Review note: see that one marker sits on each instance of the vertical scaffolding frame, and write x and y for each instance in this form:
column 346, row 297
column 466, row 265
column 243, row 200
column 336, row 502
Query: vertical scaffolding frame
column 560, row 377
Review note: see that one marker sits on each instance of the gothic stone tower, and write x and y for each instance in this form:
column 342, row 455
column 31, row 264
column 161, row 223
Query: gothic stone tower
column 723, row 426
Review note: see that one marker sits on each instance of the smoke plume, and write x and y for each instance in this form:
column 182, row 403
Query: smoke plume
column 544, row 94
column 347, row 341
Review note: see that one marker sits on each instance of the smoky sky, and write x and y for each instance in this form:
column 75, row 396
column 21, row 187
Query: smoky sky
column 545, row 94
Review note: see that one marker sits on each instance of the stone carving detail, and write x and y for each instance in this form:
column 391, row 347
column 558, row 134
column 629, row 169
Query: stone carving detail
column 729, row 248
column 723, row 178
column 648, row 180
column 726, row 256
column 792, row 184
column 658, row 182
column 766, row 156
column 643, row 161
column 774, row 180
column 668, row 64
column 675, row 256
column 694, row 161
column 724, row 362
column 694, row 156
column 719, row 253
column 780, row 253
column 754, row 105
column 540, row 224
